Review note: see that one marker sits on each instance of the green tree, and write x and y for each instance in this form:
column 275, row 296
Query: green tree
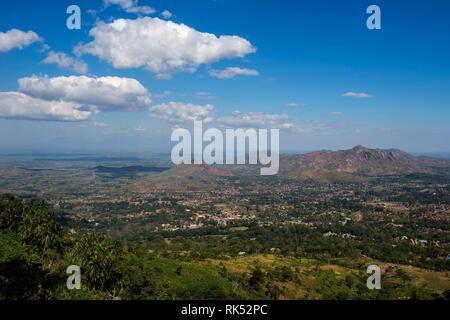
column 21, row 277
column 11, row 212
column 95, row 256
column 39, row 228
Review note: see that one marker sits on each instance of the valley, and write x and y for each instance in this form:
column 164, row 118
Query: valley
column 326, row 214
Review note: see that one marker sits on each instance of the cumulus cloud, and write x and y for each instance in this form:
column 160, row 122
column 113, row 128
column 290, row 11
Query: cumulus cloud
column 130, row 6
column 65, row 62
column 231, row 72
column 160, row 46
column 74, row 98
column 256, row 120
column 358, row 95
column 166, row 14
column 178, row 112
column 16, row 39
column 102, row 94
column 16, row 105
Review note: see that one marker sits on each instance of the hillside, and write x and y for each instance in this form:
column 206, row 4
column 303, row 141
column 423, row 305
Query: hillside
column 355, row 163
column 186, row 178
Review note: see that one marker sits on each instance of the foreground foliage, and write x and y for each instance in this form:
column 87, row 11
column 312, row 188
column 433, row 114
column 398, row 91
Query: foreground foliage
column 35, row 252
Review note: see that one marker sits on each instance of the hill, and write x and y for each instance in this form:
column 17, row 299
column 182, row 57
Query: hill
column 186, row 178
column 356, row 164
column 353, row 165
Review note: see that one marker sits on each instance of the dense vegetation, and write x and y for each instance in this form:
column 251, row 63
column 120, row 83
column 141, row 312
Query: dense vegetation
column 286, row 262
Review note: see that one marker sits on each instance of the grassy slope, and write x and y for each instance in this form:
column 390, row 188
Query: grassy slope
column 229, row 278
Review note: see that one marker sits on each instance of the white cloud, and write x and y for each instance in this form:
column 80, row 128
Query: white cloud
column 178, row 112
column 358, row 95
column 130, row 6
column 231, row 72
column 166, row 14
column 336, row 113
column 160, row 46
column 14, row 38
column 73, row 98
column 102, row 94
column 296, row 105
column 275, row 121
column 16, row 105
column 65, row 62
column 256, row 120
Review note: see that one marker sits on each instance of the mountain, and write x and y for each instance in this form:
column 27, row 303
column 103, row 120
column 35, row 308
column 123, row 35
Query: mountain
column 186, row 178
column 355, row 163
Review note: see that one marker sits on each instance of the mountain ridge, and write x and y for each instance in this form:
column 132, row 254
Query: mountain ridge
column 357, row 164
column 358, row 161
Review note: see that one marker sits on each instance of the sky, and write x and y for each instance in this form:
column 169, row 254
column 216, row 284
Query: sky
column 136, row 70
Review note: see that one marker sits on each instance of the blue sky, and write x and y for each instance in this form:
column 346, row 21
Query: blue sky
column 311, row 67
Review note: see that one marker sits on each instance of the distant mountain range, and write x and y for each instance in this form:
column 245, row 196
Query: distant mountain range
column 356, row 164
column 353, row 165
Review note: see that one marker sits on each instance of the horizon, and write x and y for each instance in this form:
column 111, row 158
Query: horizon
column 148, row 153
